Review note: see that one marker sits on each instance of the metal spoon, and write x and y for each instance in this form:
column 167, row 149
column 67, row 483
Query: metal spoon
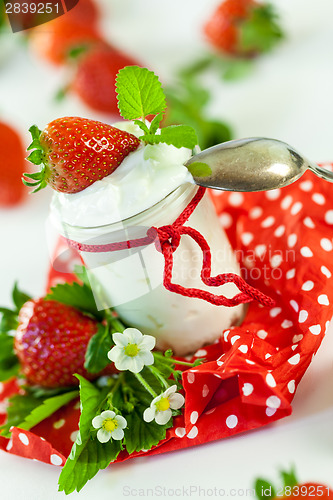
column 254, row 164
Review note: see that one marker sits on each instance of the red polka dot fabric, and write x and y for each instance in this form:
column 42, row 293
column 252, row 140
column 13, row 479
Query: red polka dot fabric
column 283, row 240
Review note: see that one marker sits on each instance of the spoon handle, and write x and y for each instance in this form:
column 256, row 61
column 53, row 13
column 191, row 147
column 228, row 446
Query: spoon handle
column 321, row 172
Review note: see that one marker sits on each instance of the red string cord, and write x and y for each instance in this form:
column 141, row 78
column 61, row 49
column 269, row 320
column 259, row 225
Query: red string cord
column 167, row 239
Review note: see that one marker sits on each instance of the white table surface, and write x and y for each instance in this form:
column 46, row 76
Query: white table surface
column 288, row 97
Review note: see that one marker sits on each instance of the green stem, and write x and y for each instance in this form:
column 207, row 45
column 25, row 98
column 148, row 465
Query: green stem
column 172, row 360
column 159, row 377
column 145, row 385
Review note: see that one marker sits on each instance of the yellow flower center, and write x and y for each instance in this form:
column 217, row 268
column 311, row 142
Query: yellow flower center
column 131, row 350
column 110, row 424
column 163, row 404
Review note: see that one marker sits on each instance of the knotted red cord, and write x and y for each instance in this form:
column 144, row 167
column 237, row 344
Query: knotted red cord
column 169, row 238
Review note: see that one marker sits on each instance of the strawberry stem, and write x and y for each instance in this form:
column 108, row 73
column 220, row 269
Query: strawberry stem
column 36, row 157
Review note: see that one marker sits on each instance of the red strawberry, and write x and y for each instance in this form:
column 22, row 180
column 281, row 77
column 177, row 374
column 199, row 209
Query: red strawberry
column 243, row 28
column 62, row 36
column 76, row 152
column 51, row 341
column 85, row 12
column 12, row 163
column 94, row 79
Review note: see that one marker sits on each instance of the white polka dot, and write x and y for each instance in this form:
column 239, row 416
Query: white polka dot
column 308, row 222
column 190, row 377
column 297, row 338
column 303, row 316
column 323, row 300
column 326, row 244
column 205, row 391
column 219, row 362
column 270, row 412
column 225, row 220
column 306, row 185
column 291, row 386
column 294, row 347
column 315, row 329
column 262, row 334
column 194, row 417
column 59, row 423
column 267, row 355
column 286, row 202
column 73, row 436
column 276, row 260
column 180, row 432
column 319, row 198
column 250, row 362
column 294, row 305
column 306, row 252
column 231, row 421
column 193, row 433
column 274, row 312
column 270, row 380
column 326, row 272
column 273, row 402
column 247, row 389
column 260, row 250
column 255, row 212
column 297, row 207
column 9, row 445
column 292, row 240
column 23, row 438
column 294, row 360
column 273, row 194
column 77, row 405
column 55, row 459
column 287, row 324
column 246, row 238
column 225, row 335
column 243, row 348
column 234, row 339
column 268, row 222
column 329, row 217
column 1, row 387
column 291, row 273
column 279, row 231
column 307, row 286
column 201, row 353
column 236, row 199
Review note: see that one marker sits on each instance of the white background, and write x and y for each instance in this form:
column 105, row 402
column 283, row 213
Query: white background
column 288, row 97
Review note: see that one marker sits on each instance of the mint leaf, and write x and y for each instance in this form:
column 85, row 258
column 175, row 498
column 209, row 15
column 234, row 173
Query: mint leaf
column 155, row 124
column 199, row 169
column 176, row 135
column 76, row 295
column 87, row 456
column 139, row 93
column 9, row 365
column 98, row 347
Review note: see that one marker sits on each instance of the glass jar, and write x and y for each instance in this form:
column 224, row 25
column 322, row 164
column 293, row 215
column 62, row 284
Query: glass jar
column 131, row 280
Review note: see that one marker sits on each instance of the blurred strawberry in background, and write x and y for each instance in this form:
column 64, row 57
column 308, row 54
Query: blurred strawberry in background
column 243, row 28
column 12, row 166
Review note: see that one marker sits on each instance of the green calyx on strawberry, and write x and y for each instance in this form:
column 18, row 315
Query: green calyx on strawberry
column 50, row 339
column 75, row 152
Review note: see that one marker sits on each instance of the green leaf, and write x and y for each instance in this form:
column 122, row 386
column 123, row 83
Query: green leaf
column 46, row 409
column 76, row 295
column 199, row 169
column 155, row 124
column 87, row 456
column 177, row 135
column 19, row 297
column 236, row 69
column 8, row 322
column 261, row 31
column 289, row 478
column 264, row 490
column 139, row 93
column 98, row 347
column 35, row 132
column 142, row 126
column 20, row 406
column 9, row 365
column 36, row 157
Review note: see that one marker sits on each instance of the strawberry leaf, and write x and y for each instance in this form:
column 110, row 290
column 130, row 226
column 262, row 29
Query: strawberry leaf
column 19, row 297
column 264, row 490
column 97, row 350
column 9, row 365
column 289, row 477
column 139, row 93
column 88, row 455
column 20, row 406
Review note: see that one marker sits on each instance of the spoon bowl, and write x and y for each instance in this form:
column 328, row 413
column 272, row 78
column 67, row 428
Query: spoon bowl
column 254, row 164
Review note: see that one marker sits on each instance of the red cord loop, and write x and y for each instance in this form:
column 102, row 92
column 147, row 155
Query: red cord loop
column 166, row 240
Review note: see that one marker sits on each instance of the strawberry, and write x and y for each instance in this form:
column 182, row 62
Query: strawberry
column 94, row 79
column 51, row 341
column 12, row 165
column 61, row 38
column 85, row 12
column 76, row 152
column 243, row 28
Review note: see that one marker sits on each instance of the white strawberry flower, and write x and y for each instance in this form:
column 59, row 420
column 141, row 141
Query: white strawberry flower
column 109, row 425
column 132, row 350
column 160, row 408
